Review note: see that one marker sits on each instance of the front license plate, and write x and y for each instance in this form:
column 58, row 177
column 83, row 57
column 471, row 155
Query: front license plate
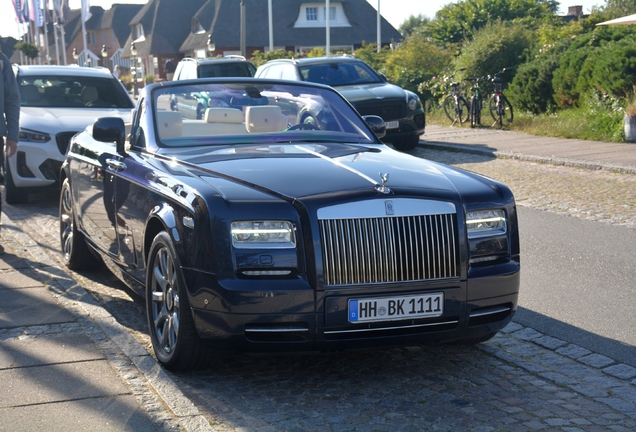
column 396, row 308
column 392, row 124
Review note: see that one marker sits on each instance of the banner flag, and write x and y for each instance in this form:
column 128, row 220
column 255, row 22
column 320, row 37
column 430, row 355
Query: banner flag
column 86, row 10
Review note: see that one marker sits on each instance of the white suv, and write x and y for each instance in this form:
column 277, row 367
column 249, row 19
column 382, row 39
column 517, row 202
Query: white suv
column 56, row 103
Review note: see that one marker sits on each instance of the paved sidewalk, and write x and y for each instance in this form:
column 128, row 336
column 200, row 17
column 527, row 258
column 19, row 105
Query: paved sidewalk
column 68, row 365
column 619, row 157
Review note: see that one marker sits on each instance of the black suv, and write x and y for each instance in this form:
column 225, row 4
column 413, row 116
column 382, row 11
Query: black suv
column 367, row 90
column 230, row 66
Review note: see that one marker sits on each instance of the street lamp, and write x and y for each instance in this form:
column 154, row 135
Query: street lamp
column 75, row 56
column 211, row 45
column 133, row 53
column 104, row 55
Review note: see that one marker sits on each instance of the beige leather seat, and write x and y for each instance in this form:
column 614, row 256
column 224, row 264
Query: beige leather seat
column 169, row 124
column 260, row 119
column 89, row 94
column 225, row 120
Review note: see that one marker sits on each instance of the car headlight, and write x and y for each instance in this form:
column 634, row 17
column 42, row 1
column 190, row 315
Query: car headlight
column 34, row 136
column 485, row 223
column 263, row 234
column 413, row 101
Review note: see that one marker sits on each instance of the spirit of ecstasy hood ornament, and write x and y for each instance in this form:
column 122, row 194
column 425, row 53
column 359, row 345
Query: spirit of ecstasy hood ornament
column 383, row 187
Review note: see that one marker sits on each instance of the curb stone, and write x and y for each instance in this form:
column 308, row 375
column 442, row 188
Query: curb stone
column 532, row 158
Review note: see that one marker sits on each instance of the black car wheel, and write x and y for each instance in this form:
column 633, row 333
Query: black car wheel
column 407, row 143
column 75, row 251
column 13, row 194
column 174, row 338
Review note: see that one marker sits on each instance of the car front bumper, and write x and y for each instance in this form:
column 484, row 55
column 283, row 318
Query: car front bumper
column 260, row 315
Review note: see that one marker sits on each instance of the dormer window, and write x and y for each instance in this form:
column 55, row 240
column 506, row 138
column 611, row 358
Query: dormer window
column 138, row 32
column 311, row 13
column 315, row 15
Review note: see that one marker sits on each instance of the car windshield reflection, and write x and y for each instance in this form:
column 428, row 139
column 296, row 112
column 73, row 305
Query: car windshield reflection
column 252, row 112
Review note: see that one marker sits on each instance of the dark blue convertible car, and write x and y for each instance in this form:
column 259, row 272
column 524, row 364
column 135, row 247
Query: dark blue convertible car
column 250, row 229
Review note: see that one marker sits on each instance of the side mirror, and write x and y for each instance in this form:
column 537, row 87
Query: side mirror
column 110, row 129
column 376, row 124
column 384, row 78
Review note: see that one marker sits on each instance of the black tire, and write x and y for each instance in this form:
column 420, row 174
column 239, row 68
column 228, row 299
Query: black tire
column 13, row 194
column 174, row 337
column 75, row 252
column 456, row 115
column 449, row 107
column 473, row 112
column 464, row 111
column 406, row 144
column 508, row 115
column 494, row 112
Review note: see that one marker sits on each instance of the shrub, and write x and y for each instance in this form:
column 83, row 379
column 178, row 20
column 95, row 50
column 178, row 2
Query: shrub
column 498, row 45
column 531, row 89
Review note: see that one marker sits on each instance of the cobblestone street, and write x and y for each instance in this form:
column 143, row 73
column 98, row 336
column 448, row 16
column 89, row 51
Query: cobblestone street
column 522, row 380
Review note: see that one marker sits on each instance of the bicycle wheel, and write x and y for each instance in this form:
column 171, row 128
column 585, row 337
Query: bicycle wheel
column 493, row 107
column 449, row 107
column 463, row 110
column 507, row 113
column 473, row 112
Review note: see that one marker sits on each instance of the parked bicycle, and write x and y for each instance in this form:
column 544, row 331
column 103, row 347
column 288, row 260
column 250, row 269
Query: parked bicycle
column 455, row 105
column 500, row 107
column 476, row 101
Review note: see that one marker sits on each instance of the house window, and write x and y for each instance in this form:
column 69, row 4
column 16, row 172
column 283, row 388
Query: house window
column 312, row 13
column 91, row 38
column 332, row 13
column 138, row 32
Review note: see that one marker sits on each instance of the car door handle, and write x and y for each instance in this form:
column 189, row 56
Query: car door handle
column 115, row 164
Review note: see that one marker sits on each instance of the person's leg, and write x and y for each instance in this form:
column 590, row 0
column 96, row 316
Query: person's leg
column 2, row 152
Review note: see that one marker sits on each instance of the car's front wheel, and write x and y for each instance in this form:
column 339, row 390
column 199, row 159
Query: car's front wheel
column 174, row 337
column 406, row 144
column 75, row 251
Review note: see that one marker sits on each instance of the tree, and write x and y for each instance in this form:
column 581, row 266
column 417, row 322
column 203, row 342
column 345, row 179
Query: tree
column 457, row 22
column 412, row 23
column 30, row 50
column 618, row 8
column 414, row 62
column 496, row 46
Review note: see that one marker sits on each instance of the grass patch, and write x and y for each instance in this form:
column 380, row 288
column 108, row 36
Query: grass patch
column 592, row 122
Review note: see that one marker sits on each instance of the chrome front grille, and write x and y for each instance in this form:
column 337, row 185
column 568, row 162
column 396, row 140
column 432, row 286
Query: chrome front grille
column 389, row 249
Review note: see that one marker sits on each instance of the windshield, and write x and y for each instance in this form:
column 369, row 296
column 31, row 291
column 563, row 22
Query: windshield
column 335, row 74
column 242, row 69
column 72, row 92
column 253, row 112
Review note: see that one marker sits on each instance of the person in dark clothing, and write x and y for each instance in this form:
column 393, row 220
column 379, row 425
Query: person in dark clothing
column 169, row 67
column 10, row 118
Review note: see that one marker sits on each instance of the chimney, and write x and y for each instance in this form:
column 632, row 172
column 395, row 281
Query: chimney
column 575, row 11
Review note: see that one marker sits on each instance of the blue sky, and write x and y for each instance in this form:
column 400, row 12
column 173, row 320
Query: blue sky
column 395, row 11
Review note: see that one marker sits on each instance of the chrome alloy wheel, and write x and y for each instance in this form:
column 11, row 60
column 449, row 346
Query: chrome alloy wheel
column 67, row 224
column 165, row 305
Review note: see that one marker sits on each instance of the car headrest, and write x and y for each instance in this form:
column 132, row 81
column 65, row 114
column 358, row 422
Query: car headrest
column 169, row 124
column 29, row 93
column 264, row 119
column 89, row 94
column 223, row 115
